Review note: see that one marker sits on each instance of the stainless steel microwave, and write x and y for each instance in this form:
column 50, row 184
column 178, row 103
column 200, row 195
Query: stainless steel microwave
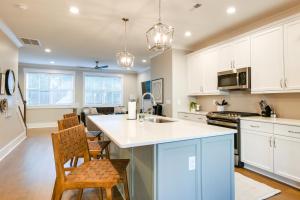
column 235, row 79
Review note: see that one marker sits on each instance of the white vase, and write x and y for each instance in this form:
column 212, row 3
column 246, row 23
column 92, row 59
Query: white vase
column 220, row 108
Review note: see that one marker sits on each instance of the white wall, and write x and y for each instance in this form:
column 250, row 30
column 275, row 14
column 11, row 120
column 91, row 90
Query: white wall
column 180, row 100
column 12, row 130
column 48, row 117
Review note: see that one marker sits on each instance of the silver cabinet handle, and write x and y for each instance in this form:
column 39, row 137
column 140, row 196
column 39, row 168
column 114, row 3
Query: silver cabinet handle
column 295, row 132
column 281, row 83
column 274, row 143
column 270, row 141
column 233, row 64
column 285, row 82
column 254, row 126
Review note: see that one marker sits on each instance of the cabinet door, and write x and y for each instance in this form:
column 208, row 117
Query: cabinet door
column 225, row 57
column 241, row 50
column 194, row 74
column 210, row 71
column 267, row 60
column 178, row 166
column 291, row 55
column 287, row 157
column 256, row 149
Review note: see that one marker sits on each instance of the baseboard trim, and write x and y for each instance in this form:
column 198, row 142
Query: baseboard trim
column 273, row 176
column 12, row 145
column 42, row 125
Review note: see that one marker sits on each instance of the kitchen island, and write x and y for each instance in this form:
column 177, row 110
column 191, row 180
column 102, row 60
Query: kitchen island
column 172, row 159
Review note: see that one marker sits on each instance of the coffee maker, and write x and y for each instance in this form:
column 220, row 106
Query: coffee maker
column 266, row 110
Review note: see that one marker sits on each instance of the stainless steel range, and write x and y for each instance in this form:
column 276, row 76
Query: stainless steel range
column 230, row 119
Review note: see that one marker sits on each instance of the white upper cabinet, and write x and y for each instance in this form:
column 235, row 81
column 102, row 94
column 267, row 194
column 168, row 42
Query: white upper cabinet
column 226, row 57
column 267, row 60
column 194, row 74
column 291, row 55
column 210, row 71
column 242, row 54
column 235, row 54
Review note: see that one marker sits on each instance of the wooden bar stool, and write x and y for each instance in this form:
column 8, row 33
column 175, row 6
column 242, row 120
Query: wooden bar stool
column 105, row 173
column 98, row 149
column 90, row 134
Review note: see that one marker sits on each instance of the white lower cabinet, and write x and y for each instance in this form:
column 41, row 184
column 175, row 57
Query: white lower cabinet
column 287, row 157
column 257, row 149
column 277, row 152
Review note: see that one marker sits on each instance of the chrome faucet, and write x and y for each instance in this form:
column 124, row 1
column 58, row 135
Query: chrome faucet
column 152, row 100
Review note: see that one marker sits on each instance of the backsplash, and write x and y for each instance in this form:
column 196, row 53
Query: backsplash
column 285, row 105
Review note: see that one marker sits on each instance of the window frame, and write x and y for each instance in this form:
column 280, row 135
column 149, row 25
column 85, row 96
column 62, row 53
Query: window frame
column 50, row 71
column 102, row 75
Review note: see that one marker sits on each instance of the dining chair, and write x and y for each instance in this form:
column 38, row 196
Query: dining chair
column 96, row 148
column 106, row 174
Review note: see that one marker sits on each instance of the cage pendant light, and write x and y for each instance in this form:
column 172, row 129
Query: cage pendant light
column 160, row 36
column 124, row 58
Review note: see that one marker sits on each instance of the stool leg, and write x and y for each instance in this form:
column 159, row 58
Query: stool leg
column 107, row 152
column 75, row 162
column 108, row 193
column 80, row 194
column 126, row 188
column 71, row 162
column 57, row 191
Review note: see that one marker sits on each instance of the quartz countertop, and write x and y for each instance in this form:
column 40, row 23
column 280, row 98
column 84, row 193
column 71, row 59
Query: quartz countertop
column 292, row 122
column 132, row 133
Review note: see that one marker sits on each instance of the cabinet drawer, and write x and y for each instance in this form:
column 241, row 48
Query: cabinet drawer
column 185, row 116
column 192, row 117
column 198, row 118
column 287, row 130
column 257, row 126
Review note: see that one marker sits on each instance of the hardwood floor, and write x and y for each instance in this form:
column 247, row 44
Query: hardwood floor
column 28, row 173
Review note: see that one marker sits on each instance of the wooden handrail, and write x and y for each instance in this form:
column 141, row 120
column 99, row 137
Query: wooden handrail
column 24, row 105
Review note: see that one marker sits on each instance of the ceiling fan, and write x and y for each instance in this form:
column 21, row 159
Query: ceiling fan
column 100, row 67
column 96, row 66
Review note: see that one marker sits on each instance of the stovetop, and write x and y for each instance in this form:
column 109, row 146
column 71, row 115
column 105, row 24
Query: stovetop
column 229, row 115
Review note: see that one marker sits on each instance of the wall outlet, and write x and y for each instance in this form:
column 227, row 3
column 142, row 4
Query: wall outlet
column 192, row 163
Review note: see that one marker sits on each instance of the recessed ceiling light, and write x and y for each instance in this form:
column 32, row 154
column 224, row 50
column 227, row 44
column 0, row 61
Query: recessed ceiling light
column 52, row 62
column 144, row 60
column 74, row 10
column 21, row 6
column 47, row 50
column 188, row 34
column 231, row 10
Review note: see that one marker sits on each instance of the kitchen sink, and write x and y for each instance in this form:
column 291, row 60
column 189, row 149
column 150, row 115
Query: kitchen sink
column 159, row 120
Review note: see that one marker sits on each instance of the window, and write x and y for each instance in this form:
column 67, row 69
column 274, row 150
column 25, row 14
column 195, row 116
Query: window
column 103, row 90
column 49, row 88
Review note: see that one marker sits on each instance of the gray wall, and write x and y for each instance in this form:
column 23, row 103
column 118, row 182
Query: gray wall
column 51, row 115
column 10, row 127
column 161, row 67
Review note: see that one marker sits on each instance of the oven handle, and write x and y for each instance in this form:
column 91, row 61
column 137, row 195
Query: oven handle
column 221, row 123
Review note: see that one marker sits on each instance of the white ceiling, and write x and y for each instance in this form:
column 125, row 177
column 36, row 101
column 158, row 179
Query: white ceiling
column 97, row 32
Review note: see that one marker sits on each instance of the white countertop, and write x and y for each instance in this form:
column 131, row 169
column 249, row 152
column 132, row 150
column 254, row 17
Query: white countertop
column 293, row 122
column 195, row 113
column 132, row 133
